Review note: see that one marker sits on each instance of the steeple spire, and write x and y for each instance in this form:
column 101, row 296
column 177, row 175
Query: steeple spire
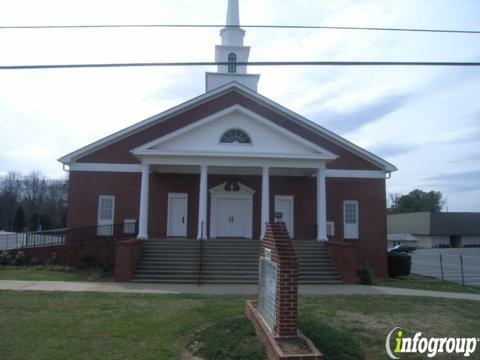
column 232, row 51
column 233, row 14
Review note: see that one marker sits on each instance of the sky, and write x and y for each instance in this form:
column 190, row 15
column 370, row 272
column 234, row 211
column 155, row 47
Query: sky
column 424, row 120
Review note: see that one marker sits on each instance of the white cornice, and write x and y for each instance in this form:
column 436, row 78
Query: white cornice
column 129, row 168
column 137, row 168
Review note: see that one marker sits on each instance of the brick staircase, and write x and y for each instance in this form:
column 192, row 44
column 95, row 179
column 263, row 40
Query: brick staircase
column 224, row 261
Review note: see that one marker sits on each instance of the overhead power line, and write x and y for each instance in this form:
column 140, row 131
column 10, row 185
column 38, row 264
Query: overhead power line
column 251, row 63
column 453, row 31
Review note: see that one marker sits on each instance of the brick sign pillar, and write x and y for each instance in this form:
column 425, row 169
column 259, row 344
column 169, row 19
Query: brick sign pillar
column 275, row 315
column 277, row 246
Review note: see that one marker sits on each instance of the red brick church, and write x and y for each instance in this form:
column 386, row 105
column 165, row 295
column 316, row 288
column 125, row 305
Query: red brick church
column 220, row 166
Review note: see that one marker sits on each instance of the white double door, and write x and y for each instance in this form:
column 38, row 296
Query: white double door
column 177, row 214
column 233, row 217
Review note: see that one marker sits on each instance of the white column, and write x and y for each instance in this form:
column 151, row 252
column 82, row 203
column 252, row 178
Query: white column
column 321, row 205
column 202, row 203
column 143, row 218
column 265, row 217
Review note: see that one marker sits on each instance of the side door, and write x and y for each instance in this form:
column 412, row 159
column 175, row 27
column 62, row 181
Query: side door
column 177, row 214
column 350, row 219
column 105, row 215
column 284, row 211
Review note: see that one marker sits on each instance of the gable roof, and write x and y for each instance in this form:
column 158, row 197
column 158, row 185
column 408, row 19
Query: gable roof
column 295, row 142
column 234, row 86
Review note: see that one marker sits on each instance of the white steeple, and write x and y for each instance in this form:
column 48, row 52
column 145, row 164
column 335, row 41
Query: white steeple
column 232, row 51
column 233, row 14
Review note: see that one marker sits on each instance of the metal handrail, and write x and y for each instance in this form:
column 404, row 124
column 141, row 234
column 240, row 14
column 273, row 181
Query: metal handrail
column 69, row 236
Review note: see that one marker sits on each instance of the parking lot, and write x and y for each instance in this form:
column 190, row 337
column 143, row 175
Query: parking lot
column 434, row 262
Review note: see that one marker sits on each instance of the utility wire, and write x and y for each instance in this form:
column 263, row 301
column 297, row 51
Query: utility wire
column 251, row 63
column 454, row 31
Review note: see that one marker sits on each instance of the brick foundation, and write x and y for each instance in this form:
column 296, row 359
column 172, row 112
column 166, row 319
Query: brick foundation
column 277, row 246
column 126, row 255
column 345, row 257
column 269, row 338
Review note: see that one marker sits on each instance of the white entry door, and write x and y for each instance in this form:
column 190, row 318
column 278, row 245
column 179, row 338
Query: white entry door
column 177, row 214
column 232, row 217
column 284, row 211
column 350, row 219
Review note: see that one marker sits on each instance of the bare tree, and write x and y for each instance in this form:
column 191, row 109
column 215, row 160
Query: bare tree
column 10, row 194
column 41, row 202
column 34, row 191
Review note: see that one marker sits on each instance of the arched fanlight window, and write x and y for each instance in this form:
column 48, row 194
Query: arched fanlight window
column 232, row 63
column 235, row 136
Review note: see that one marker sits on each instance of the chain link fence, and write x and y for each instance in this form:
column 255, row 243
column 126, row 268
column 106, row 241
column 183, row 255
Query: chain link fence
column 461, row 268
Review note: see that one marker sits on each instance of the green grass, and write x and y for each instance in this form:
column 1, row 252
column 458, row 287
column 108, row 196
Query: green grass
column 426, row 283
column 62, row 325
column 47, row 273
column 228, row 339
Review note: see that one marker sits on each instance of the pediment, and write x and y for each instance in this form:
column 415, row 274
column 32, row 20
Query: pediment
column 204, row 136
column 232, row 187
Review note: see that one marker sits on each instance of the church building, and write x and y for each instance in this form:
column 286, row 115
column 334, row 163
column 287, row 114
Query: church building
column 222, row 165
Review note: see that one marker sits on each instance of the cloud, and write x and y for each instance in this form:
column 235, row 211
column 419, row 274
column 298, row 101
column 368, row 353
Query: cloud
column 426, row 118
column 391, row 150
column 346, row 121
column 458, row 182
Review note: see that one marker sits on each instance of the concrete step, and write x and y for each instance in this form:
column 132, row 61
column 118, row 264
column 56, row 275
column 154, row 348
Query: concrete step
column 225, row 262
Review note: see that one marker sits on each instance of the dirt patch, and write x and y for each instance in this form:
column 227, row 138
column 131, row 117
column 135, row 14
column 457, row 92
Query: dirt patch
column 190, row 345
column 294, row 346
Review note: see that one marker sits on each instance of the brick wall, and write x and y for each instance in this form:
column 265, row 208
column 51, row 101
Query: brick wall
column 126, row 255
column 85, row 187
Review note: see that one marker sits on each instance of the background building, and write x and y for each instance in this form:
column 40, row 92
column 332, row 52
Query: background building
column 444, row 229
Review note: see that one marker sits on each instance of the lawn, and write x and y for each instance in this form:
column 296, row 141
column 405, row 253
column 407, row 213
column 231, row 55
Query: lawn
column 60, row 325
column 426, row 283
column 47, row 273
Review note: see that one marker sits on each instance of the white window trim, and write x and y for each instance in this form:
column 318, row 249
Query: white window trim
column 100, row 198
column 127, row 224
column 355, row 202
column 330, row 228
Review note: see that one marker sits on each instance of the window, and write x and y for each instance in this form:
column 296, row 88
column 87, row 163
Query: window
column 232, row 63
column 350, row 219
column 105, row 216
column 235, row 136
column 330, row 228
column 129, row 226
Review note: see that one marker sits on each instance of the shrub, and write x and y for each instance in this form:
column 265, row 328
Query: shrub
column 399, row 264
column 5, row 258
column 108, row 268
column 20, row 259
column 366, row 275
column 54, row 259
column 86, row 261
column 35, row 261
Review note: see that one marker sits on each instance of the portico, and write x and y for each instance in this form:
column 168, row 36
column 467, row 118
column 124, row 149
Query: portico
column 225, row 210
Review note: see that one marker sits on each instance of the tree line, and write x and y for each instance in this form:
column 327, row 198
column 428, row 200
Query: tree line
column 416, row 201
column 32, row 202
